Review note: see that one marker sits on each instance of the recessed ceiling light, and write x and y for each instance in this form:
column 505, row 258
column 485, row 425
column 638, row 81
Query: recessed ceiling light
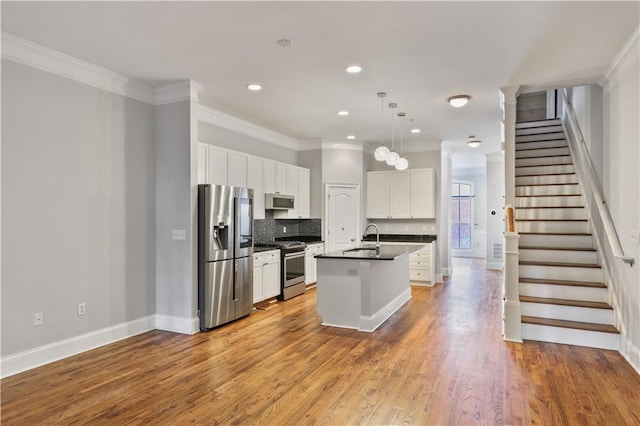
column 351, row 137
column 254, row 87
column 415, row 130
column 458, row 101
column 354, row 69
column 343, row 112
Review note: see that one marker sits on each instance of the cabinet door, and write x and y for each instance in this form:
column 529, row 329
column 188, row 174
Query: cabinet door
column 217, row 166
column 281, row 178
column 378, row 195
column 310, row 269
column 304, row 193
column 400, row 195
column 271, row 280
column 255, row 182
column 423, row 205
column 203, row 149
column 269, row 176
column 292, row 189
column 237, row 172
column 258, row 284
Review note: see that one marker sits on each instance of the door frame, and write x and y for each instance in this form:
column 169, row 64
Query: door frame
column 325, row 209
column 470, row 252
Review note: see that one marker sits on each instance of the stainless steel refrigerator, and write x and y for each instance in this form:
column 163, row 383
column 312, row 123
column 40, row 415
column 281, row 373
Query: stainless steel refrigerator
column 225, row 249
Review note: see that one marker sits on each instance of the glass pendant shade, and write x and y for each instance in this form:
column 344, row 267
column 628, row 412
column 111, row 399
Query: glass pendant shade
column 393, row 158
column 381, row 153
column 402, row 164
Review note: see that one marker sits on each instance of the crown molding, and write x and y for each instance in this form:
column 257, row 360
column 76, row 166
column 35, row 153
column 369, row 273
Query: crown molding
column 182, row 90
column 310, row 145
column 627, row 57
column 229, row 122
column 37, row 56
column 341, row 145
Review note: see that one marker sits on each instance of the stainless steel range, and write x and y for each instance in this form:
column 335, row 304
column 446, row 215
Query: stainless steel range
column 292, row 267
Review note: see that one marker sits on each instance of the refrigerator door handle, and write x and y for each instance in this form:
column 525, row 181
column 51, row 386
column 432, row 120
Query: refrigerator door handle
column 235, row 281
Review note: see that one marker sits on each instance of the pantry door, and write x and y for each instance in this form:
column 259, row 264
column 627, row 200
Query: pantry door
column 342, row 215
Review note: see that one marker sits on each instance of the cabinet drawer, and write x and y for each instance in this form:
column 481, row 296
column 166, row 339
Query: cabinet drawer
column 420, row 263
column 271, row 255
column 419, row 275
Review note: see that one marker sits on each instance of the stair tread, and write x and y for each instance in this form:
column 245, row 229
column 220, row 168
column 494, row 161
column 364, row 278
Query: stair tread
column 566, row 302
column 551, row 220
column 560, row 264
column 542, row 156
column 582, row 234
column 547, row 174
column 557, row 248
column 547, row 184
column 561, row 282
column 588, row 326
column 543, row 165
column 544, row 147
column 541, row 140
column 544, row 120
column 551, row 207
column 549, row 195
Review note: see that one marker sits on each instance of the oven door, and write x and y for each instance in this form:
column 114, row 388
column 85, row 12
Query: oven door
column 293, row 271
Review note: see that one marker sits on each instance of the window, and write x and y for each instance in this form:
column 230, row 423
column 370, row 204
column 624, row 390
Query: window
column 461, row 215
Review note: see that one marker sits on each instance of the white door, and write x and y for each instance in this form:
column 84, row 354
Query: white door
column 343, row 216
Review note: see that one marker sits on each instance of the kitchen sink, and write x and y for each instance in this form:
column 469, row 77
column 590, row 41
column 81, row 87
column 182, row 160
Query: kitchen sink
column 360, row 249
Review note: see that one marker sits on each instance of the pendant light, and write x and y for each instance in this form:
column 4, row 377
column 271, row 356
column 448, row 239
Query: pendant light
column 402, row 162
column 393, row 156
column 382, row 152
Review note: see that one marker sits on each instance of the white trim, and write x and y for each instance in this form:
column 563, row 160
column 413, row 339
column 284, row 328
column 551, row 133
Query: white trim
column 495, row 266
column 177, row 325
column 182, row 90
column 229, row 122
column 34, row 55
column 625, row 58
column 32, row 358
column 371, row 323
column 342, row 146
column 630, row 352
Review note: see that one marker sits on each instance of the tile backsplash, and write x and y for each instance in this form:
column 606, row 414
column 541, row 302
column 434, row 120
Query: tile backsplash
column 268, row 229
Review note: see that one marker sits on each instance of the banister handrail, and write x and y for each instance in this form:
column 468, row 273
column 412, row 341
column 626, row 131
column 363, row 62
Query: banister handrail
column 594, row 183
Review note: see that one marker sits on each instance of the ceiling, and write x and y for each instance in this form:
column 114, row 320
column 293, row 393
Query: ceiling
column 420, row 53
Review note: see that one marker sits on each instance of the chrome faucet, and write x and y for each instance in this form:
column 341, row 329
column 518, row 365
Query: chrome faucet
column 377, row 233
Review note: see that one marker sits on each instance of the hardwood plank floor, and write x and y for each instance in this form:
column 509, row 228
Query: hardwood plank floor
column 439, row 360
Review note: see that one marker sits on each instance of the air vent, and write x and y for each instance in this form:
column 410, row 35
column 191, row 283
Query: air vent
column 497, row 251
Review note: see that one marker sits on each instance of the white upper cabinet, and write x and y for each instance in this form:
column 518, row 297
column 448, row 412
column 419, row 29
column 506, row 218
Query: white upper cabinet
column 269, row 176
column 401, row 194
column 237, row 171
column 292, row 189
column 217, row 166
column 304, row 193
column 255, row 181
column 423, row 202
column 281, row 178
column 378, row 195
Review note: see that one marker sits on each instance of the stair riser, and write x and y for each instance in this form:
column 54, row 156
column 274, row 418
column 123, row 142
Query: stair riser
column 559, row 256
column 569, row 313
column 579, row 241
column 563, row 201
column 539, row 130
column 538, row 180
column 568, row 336
column 555, row 152
column 569, row 292
column 579, row 213
column 553, row 227
column 547, row 190
column 556, row 143
column 561, row 273
column 538, row 123
column 543, row 161
column 540, row 137
column 544, row 170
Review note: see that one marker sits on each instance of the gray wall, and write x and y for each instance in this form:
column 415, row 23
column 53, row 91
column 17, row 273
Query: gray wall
column 214, row 135
column 312, row 160
column 78, row 200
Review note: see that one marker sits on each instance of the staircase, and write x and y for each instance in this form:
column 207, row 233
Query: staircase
column 562, row 291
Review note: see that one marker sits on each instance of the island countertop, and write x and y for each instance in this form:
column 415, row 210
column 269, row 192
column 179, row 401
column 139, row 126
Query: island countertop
column 368, row 252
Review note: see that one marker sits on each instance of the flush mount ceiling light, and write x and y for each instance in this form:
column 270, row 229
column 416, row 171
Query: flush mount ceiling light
column 393, row 155
column 254, row 87
column 343, row 112
column 458, row 101
column 473, row 142
column 354, row 69
column 351, row 137
column 382, row 152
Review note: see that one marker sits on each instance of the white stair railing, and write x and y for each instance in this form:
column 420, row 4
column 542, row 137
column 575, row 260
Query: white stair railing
column 590, row 181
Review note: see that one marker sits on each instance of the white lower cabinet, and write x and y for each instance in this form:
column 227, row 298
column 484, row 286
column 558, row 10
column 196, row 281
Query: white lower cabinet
column 420, row 264
column 310, row 262
column 266, row 275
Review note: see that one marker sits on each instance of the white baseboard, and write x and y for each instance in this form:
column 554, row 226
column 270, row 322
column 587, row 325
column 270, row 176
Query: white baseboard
column 370, row 323
column 498, row 266
column 32, row 358
column 177, row 325
column 630, row 352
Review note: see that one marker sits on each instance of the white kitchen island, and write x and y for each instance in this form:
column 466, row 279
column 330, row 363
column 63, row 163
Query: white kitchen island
column 362, row 289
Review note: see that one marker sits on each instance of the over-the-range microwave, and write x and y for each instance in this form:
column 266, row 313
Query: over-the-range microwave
column 278, row 201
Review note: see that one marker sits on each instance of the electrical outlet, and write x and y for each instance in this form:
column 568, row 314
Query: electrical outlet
column 82, row 309
column 284, row 229
column 38, row 319
column 352, row 272
column 178, row 234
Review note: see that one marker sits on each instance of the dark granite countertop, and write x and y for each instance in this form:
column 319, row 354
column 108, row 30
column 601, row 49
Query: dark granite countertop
column 386, row 252
column 259, row 249
column 401, row 238
column 309, row 239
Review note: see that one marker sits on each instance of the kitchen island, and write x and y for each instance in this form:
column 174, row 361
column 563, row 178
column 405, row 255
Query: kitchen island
column 361, row 288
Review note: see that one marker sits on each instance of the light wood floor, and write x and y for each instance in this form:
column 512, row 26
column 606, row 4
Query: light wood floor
column 439, row 360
